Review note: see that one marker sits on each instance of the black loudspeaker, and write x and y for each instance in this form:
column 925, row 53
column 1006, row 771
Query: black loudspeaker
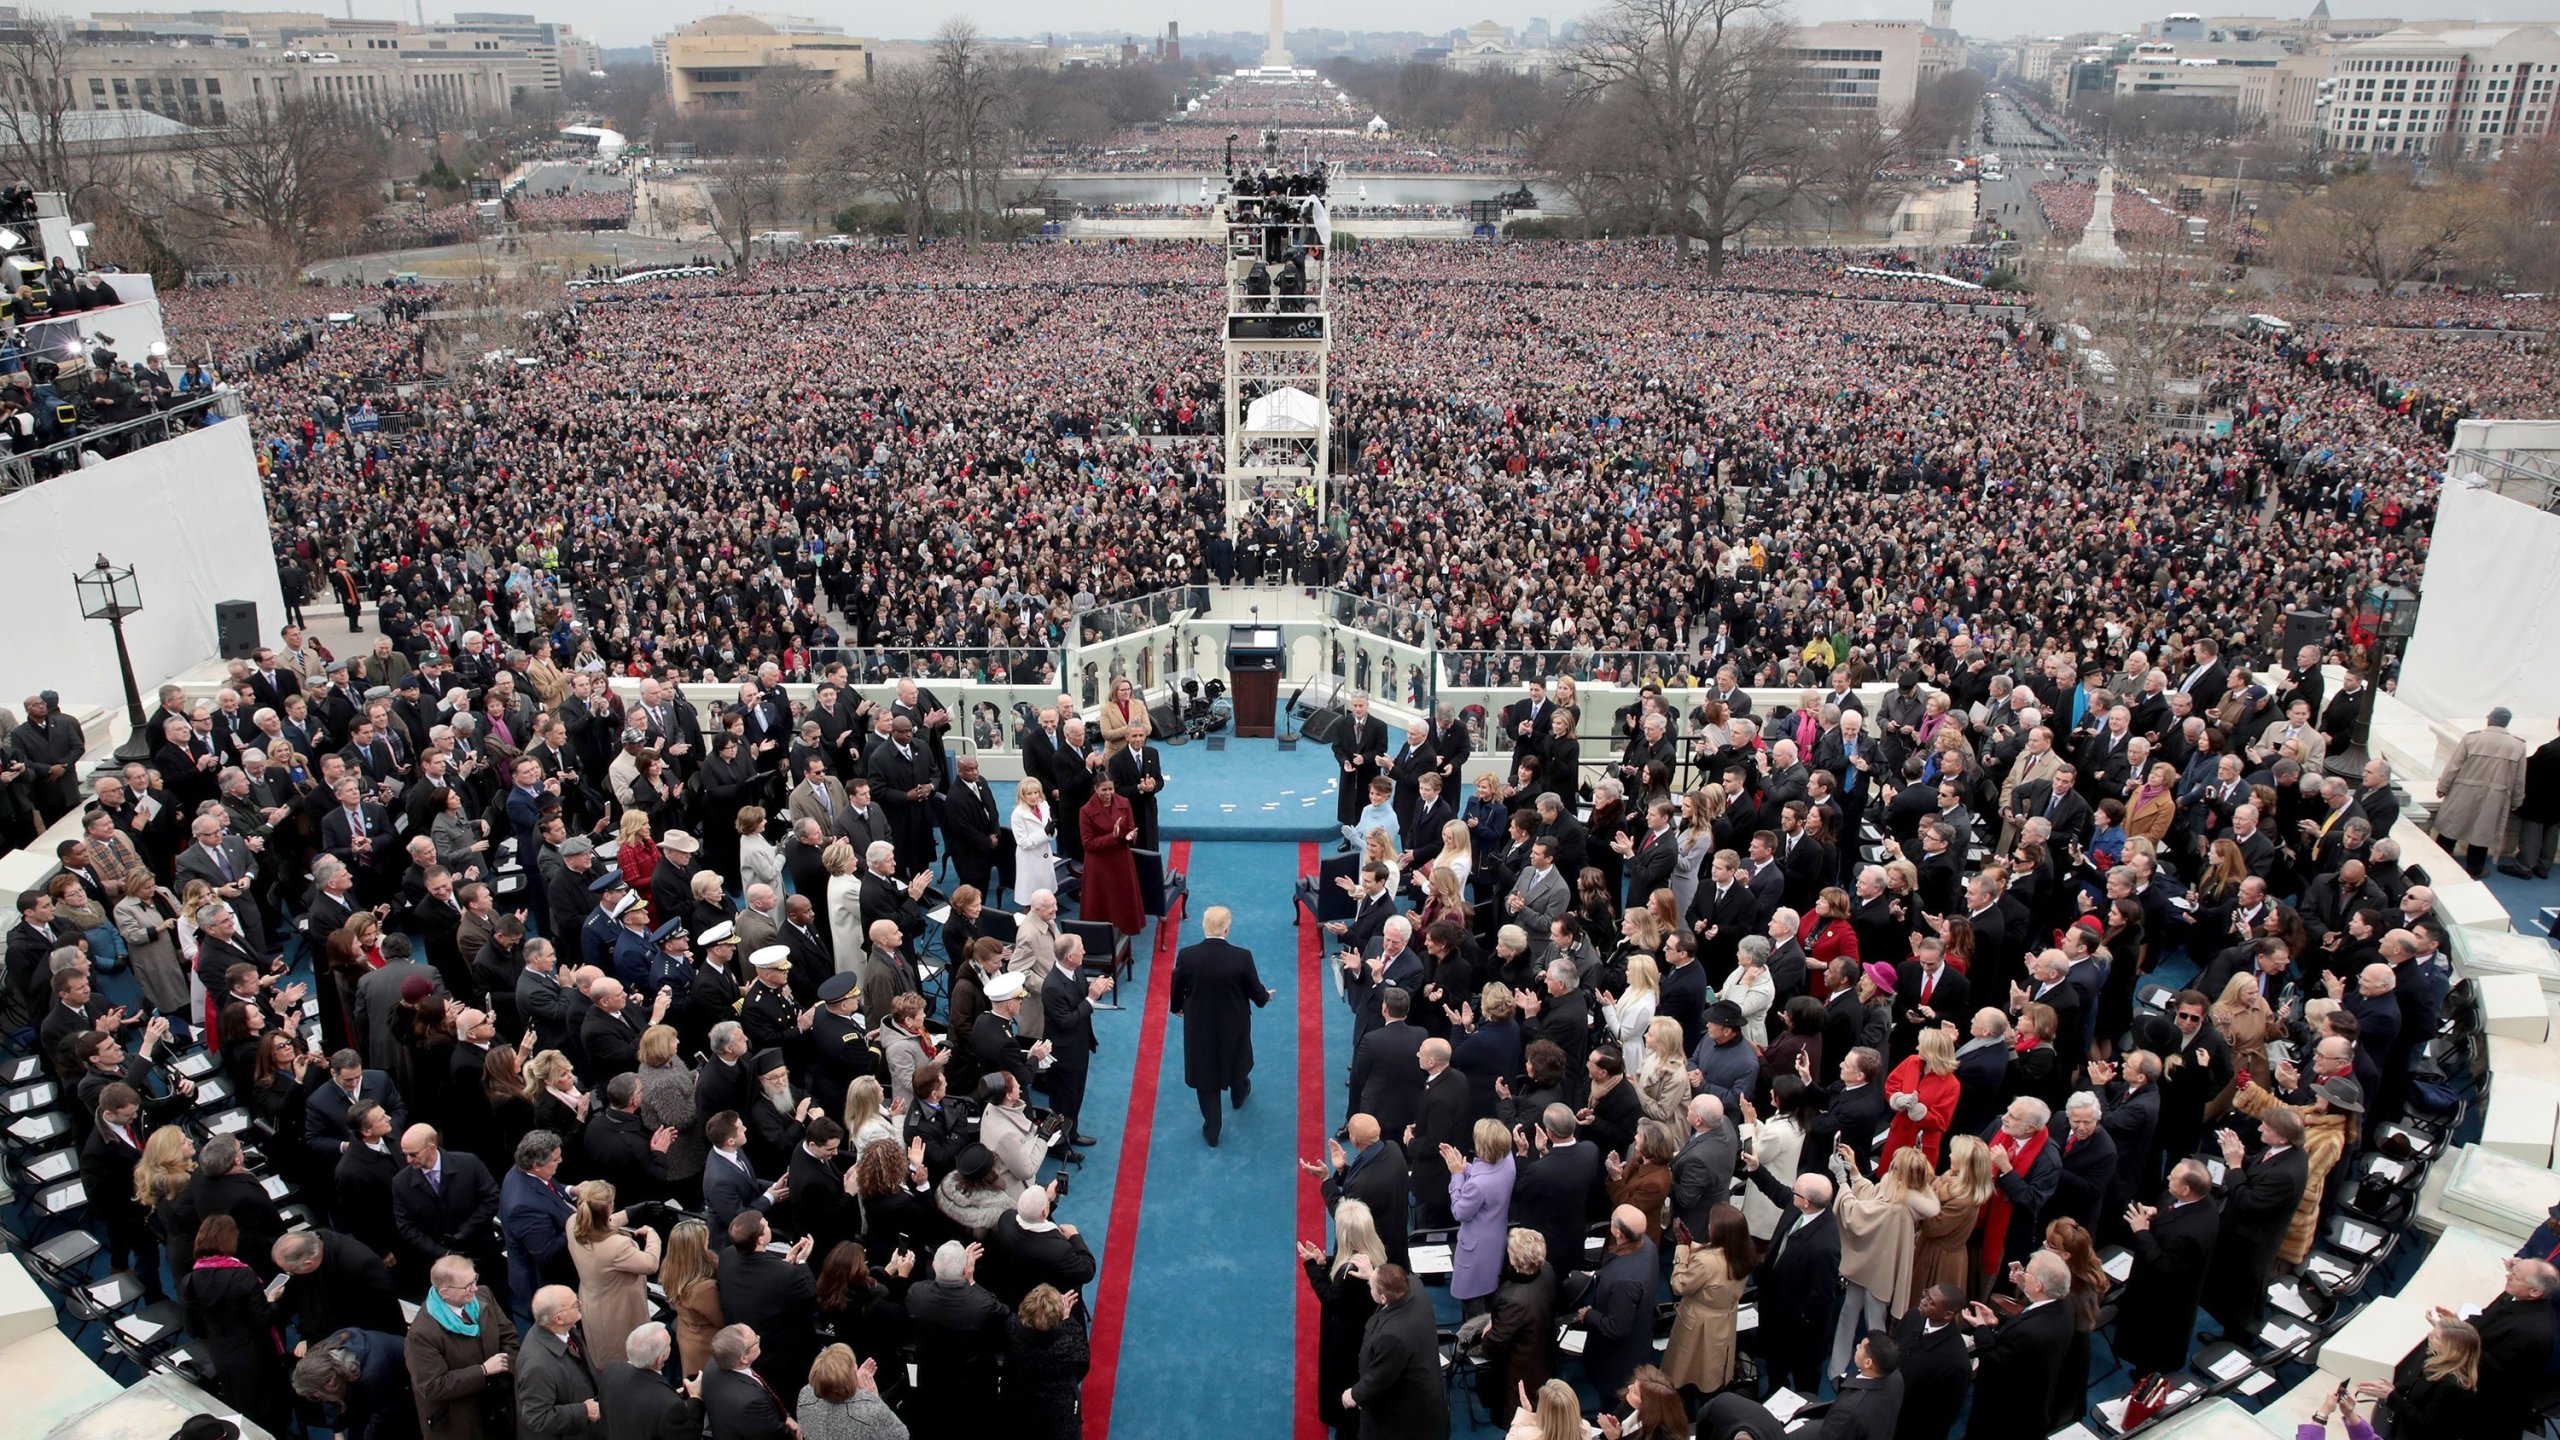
column 1323, row 725
column 235, row 626
column 2301, row 627
column 1163, row 720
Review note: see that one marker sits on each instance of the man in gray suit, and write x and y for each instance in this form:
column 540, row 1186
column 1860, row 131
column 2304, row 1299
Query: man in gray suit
column 378, row 994
column 223, row 861
column 1538, row 896
column 555, row 1394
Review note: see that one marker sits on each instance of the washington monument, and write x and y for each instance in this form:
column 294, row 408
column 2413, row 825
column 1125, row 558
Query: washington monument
column 1277, row 54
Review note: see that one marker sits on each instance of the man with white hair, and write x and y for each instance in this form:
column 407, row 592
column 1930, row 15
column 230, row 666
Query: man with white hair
column 555, row 1392
column 884, row 897
column 1800, row 1284
column 959, row 1332
column 2026, row 1166
column 736, row 1400
column 2018, row 1363
column 1027, row 1248
column 2088, row 1165
column 637, row 1395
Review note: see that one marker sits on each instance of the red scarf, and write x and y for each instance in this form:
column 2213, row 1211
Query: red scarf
column 1995, row 1211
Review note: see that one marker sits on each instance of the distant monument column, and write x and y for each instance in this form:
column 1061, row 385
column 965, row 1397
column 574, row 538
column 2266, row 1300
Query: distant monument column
column 1277, row 53
column 2097, row 243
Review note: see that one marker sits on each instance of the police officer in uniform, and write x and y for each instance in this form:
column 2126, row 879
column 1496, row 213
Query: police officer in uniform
column 771, row 1023
column 842, row 1046
column 596, row 932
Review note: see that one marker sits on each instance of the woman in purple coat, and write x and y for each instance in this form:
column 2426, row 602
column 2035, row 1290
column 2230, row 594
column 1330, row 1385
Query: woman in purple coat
column 1480, row 1198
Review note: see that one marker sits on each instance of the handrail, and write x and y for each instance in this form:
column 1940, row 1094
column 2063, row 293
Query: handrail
column 19, row 472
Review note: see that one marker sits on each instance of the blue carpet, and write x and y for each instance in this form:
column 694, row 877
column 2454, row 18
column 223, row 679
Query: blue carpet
column 1210, row 1308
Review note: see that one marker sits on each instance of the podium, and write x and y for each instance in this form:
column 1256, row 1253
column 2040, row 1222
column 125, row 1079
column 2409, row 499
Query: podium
column 1253, row 678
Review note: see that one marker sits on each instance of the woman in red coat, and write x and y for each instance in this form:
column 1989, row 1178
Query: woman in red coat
column 1921, row 1092
column 1110, row 874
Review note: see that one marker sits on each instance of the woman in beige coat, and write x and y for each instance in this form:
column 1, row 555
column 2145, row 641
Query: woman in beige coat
column 1879, row 1238
column 613, row 1272
column 1938, row 1248
column 1708, row 1277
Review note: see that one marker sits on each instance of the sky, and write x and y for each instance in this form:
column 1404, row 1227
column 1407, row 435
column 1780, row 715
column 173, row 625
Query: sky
column 633, row 22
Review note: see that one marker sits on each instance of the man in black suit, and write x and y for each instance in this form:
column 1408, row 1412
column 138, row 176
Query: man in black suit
column 771, row 1295
column 730, row 1185
column 2128, row 1094
column 1215, row 991
column 1927, row 990
column 1386, row 1069
column 904, row 777
column 1440, row 1118
column 2049, row 984
column 338, row 1283
column 1936, row 1370
column 2018, row 1362
column 1027, row 1249
column 2259, row 1198
column 2059, row 801
column 973, row 831
column 1870, row 1404
column 1371, row 1170
column 1360, row 748
column 2192, row 1075
column 445, row 1202
column 1371, row 908
column 2173, row 1251
column 1559, row 1187
column 360, row 1192
column 1854, row 1108
column 611, row 1032
column 326, row 1127
column 1651, row 855
column 738, row 1402
column 224, row 1186
column 623, row 1149
column 959, row 1329
column 358, row 832
column 2205, row 679
column 1807, row 863
column 107, row 1160
column 1066, row 1004
column 2088, row 1165
column 1723, row 913
column 2516, row 1337
column 640, row 1402
column 555, row 1394
column 1800, row 1284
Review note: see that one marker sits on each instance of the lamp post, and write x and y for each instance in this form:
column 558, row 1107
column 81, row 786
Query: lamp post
column 109, row 592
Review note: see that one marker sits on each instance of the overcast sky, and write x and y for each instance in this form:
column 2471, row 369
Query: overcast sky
column 633, row 22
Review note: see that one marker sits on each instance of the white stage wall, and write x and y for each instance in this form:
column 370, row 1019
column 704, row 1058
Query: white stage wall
column 189, row 516
column 2489, row 619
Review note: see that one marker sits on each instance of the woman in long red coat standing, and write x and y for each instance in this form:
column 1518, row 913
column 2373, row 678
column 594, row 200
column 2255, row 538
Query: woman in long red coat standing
column 1108, row 828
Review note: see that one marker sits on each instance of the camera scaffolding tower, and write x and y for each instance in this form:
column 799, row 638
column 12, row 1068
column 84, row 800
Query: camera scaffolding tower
column 1279, row 334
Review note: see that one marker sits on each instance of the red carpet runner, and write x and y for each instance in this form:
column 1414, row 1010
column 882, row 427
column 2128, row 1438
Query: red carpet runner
column 1129, row 1189
column 1311, row 1220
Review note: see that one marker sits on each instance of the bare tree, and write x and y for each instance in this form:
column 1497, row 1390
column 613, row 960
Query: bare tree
column 2529, row 177
column 894, row 139
column 756, row 185
column 2389, row 230
column 36, row 106
column 975, row 94
column 282, row 176
column 1716, row 94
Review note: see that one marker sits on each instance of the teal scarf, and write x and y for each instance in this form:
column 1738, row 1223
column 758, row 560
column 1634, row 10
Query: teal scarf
column 465, row 1321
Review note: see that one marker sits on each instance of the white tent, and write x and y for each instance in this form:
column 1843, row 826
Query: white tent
column 1377, row 124
column 1286, row 410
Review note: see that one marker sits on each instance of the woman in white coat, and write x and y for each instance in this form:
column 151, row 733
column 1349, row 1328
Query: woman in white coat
column 1035, row 840
column 844, row 903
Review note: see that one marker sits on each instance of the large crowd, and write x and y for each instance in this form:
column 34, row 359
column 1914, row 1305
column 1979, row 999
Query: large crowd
column 702, row 1031
column 1832, row 464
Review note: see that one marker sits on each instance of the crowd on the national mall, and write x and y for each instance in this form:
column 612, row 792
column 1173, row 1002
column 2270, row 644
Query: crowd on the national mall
column 641, row 1064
